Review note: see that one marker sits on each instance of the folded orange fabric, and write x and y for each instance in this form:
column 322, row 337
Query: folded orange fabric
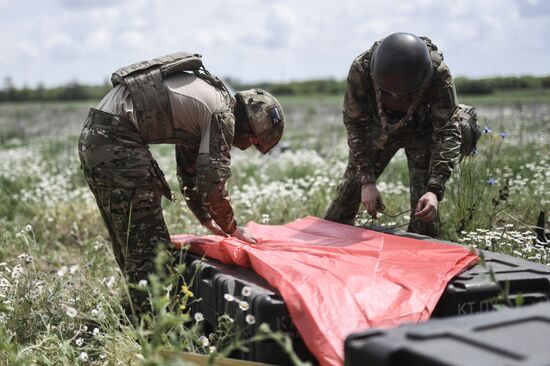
column 338, row 279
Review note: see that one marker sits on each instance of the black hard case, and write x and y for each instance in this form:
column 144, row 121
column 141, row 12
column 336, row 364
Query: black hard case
column 510, row 337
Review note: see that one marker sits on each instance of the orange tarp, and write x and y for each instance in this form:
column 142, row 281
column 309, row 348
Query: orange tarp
column 337, row 279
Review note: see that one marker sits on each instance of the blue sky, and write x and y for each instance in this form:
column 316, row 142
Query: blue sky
column 57, row 41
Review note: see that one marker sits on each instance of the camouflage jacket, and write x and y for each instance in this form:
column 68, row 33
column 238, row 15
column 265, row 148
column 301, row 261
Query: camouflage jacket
column 203, row 174
column 435, row 106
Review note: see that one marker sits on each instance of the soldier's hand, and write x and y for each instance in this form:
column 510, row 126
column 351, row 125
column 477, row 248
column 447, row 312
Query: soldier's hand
column 214, row 228
column 371, row 199
column 243, row 234
column 427, row 207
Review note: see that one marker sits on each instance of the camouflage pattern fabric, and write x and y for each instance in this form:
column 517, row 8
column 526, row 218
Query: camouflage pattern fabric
column 418, row 149
column 431, row 136
column 127, row 185
column 202, row 176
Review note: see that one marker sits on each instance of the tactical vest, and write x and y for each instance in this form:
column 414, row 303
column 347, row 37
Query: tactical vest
column 145, row 81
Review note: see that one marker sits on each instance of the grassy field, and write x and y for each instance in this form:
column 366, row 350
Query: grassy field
column 60, row 288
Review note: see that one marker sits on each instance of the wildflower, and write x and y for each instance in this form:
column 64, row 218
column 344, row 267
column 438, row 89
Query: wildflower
column 83, row 357
column 186, row 291
column 250, row 319
column 79, row 342
column 183, row 307
column 243, row 305
column 264, row 328
column 17, row 271
column 110, row 282
column 265, row 219
column 95, row 332
column 199, row 317
column 18, row 235
column 103, row 356
column 74, row 268
column 228, row 297
column 246, row 291
column 487, row 130
column 61, row 271
column 205, row 342
column 95, row 312
column 491, row 181
column 212, row 349
column 28, row 228
column 71, row 312
column 503, row 135
column 142, row 283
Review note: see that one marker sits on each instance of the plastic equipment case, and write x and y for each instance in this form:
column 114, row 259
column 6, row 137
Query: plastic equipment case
column 510, row 337
column 213, row 280
column 475, row 290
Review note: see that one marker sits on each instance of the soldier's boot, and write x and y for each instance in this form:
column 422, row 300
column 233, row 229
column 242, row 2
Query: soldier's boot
column 344, row 207
column 418, row 187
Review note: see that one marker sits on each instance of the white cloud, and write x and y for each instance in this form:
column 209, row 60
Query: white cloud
column 260, row 40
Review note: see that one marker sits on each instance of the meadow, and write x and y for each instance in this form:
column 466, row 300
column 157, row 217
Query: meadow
column 61, row 290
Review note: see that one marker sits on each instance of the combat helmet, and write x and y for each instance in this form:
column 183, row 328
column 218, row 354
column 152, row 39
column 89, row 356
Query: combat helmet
column 401, row 63
column 265, row 115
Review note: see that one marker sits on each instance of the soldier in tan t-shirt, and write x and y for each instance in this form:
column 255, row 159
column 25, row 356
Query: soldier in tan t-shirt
column 169, row 100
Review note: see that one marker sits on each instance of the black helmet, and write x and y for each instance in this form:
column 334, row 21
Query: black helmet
column 401, row 63
column 265, row 115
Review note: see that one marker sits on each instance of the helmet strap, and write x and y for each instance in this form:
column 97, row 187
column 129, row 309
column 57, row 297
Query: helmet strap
column 388, row 127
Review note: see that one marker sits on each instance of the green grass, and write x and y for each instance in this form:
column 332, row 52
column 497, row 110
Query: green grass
column 511, row 98
column 63, row 259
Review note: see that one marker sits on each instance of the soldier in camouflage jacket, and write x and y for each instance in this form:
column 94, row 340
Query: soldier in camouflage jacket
column 169, row 100
column 400, row 94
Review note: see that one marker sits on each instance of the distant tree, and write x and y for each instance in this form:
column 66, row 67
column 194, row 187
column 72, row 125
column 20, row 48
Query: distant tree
column 40, row 92
column 473, row 86
column 73, row 91
column 10, row 90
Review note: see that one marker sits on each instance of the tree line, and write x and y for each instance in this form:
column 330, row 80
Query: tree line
column 77, row 91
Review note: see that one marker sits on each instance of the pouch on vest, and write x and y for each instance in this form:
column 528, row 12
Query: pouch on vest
column 467, row 120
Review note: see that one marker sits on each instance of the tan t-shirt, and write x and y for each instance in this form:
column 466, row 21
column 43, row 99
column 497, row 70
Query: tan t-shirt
column 118, row 102
column 193, row 101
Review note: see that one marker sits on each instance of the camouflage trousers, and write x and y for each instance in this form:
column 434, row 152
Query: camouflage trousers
column 417, row 146
column 127, row 185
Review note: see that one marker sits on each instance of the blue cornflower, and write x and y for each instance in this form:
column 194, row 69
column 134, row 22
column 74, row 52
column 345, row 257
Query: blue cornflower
column 487, row 130
column 503, row 135
column 491, row 181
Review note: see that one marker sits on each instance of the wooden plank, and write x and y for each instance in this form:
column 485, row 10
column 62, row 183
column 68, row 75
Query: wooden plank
column 202, row 360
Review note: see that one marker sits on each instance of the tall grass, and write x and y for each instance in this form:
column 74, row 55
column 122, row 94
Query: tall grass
column 59, row 281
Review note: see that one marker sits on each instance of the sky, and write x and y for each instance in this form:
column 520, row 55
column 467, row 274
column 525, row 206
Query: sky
column 58, row 41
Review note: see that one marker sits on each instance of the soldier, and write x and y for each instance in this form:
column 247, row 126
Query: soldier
column 172, row 100
column 400, row 94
